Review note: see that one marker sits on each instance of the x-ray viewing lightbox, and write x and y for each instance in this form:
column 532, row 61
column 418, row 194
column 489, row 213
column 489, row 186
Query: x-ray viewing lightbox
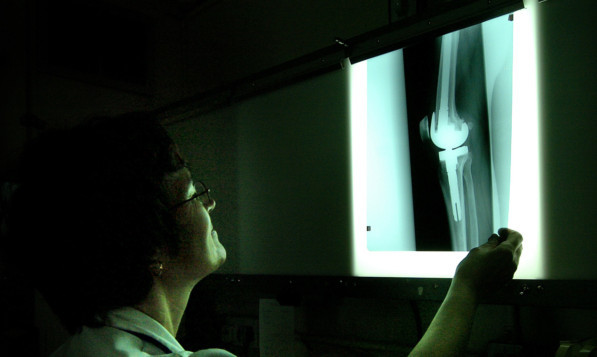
column 394, row 166
column 445, row 151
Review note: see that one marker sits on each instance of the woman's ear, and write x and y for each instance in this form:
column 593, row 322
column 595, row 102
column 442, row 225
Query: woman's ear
column 158, row 263
column 157, row 268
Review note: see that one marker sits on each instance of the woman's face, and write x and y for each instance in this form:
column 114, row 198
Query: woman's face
column 201, row 252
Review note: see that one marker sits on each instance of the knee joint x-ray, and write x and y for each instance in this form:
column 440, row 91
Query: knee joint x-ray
column 439, row 117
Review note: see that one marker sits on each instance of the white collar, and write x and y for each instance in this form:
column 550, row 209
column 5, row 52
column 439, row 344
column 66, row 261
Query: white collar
column 128, row 318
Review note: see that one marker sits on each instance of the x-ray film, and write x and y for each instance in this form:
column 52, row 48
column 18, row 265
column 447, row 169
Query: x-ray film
column 439, row 119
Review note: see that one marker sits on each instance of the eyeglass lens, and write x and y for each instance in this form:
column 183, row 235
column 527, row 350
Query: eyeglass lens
column 203, row 193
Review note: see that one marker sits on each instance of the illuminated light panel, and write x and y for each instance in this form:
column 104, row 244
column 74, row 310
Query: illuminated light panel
column 389, row 185
column 358, row 140
column 524, row 205
column 525, row 181
column 381, row 263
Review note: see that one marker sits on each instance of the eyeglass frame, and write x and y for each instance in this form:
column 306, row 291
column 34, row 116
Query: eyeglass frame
column 197, row 194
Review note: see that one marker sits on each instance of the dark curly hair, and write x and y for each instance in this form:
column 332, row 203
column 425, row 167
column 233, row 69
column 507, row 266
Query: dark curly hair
column 89, row 215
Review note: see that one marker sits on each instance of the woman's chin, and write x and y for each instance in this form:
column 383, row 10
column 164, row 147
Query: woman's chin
column 219, row 249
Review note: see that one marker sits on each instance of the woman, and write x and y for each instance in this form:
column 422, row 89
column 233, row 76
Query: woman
column 115, row 235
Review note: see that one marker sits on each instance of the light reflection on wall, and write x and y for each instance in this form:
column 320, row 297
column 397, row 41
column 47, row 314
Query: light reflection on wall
column 513, row 192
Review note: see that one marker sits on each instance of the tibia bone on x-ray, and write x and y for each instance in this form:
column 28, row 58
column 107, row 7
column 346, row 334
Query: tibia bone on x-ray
column 449, row 132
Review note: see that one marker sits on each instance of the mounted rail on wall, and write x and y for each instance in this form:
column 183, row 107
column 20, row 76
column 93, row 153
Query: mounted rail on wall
column 408, row 21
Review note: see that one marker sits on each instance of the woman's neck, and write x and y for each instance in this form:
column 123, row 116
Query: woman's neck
column 166, row 304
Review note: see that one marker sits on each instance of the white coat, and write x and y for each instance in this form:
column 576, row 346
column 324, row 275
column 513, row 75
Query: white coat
column 129, row 332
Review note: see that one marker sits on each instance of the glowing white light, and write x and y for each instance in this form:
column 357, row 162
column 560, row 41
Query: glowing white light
column 524, row 205
column 389, row 188
column 525, row 200
column 358, row 139
column 382, row 263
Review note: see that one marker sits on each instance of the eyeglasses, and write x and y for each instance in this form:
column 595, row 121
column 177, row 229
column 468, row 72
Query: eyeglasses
column 202, row 192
